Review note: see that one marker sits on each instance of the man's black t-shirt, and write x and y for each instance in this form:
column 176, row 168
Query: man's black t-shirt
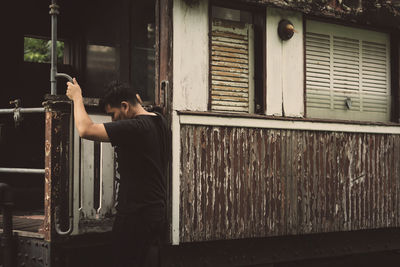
column 142, row 146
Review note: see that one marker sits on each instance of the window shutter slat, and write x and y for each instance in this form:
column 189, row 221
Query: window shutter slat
column 345, row 63
column 318, row 74
column 229, row 72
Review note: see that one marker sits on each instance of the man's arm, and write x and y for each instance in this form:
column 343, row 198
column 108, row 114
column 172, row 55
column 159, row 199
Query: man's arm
column 86, row 128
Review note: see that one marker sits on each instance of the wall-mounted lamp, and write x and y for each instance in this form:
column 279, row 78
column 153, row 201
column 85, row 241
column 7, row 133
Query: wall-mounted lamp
column 286, row 29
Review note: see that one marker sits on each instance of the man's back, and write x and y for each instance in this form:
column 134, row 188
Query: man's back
column 142, row 145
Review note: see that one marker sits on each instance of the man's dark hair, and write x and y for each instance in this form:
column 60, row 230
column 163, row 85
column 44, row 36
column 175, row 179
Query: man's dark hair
column 115, row 93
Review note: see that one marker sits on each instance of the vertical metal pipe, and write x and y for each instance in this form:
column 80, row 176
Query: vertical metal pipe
column 53, row 71
column 53, row 80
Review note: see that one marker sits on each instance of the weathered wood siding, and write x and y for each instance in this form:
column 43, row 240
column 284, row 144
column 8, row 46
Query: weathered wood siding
column 245, row 182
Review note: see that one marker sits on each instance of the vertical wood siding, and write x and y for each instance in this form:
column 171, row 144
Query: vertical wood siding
column 244, row 182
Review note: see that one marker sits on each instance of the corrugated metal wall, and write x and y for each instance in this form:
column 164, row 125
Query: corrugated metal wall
column 242, row 182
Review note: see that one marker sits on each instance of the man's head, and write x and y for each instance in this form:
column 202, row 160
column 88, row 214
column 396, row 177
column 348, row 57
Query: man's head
column 120, row 101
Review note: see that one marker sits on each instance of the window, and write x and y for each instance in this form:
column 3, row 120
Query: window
column 143, row 36
column 121, row 45
column 232, row 65
column 101, row 67
column 38, row 50
column 347, row 73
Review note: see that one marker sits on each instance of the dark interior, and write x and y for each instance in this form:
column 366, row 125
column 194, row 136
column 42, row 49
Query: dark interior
column 103, row 41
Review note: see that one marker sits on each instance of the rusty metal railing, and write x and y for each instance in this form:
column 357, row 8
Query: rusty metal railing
column 17, row 119
column 22, row 170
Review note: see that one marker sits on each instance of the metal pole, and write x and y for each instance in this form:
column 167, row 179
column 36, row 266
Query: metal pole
column 22, row 110
column 53, row 72
column 22, row 170
column 53, row 80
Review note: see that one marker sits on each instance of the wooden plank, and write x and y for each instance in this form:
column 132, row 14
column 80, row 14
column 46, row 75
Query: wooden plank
column 230, row 78
column 229, row 49
column 215, row 45
column 230, row 108
column 230, row 74
column 230, row 35
column 229, row 54
column 229, row 93
column 229, row 88
column 230, row 84
column 229, row 64
column 229, row 102
column 229, row 59
column 229, row 69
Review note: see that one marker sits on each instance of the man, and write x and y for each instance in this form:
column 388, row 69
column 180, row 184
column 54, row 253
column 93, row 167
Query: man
column 142, row 145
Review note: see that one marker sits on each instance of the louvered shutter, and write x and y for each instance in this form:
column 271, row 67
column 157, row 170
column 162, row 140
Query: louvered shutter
column 347, row 73
column 232, row 83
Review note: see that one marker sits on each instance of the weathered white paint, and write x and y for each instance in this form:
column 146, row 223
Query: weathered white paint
column 190, row 56
column 251, row 69
column 87, row 178
column 176, row 150
column 285, row 66
column 286, row 125
column 76, row 203
column 106, row 179
column 83, row 177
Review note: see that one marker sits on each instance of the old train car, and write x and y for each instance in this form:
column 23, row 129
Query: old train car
column 284, row 119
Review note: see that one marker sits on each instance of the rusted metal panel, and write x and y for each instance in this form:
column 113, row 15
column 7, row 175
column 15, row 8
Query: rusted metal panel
column 250, row 182
column 56, row 170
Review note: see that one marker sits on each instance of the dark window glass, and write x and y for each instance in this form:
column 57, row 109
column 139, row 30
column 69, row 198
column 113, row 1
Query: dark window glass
column 101, row 68
column 101, row 31
column 143, row 49
column 120, row 45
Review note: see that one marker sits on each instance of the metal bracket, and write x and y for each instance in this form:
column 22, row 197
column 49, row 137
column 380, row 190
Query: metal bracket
column 164, row 95
column 348, row 103
column 54, row 9
column 17, row 111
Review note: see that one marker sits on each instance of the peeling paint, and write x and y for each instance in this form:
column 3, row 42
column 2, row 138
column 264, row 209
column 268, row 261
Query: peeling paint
column 250, row 182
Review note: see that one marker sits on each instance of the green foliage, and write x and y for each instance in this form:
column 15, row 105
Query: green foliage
column 39, row 50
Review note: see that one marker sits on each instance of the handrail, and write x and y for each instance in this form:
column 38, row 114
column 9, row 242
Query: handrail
column 22, row 170
column 22, row 110
column 53, row 81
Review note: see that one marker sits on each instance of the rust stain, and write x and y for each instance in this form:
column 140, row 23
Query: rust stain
column 243, row 182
